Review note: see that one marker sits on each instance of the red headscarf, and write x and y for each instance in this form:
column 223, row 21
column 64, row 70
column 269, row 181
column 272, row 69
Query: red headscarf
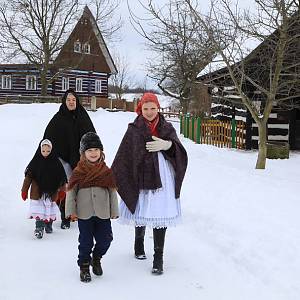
column 147, row 97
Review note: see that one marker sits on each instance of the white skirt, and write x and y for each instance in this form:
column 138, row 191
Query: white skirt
column 155, row 208
column 43, row 209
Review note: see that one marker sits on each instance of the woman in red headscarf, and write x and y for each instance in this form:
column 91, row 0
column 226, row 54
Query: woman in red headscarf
column 149, row 168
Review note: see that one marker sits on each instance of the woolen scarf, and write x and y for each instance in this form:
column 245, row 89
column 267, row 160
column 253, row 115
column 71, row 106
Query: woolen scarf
column 153, row 125
column 88, row 174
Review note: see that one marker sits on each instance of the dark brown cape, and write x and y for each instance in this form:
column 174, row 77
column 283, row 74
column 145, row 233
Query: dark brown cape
column 135, row 168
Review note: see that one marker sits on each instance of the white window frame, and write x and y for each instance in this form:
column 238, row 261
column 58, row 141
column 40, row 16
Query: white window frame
column 86, row 48
column 31, row 82
column 79, row 84
column 6, row 82
column 77, row 47
column 65, row 83
column 98, row 86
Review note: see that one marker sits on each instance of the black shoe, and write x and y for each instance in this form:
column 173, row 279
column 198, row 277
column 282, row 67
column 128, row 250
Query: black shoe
column 65, row 224
column 38, row 232
column 85, row 275
column 48, row 227
column 96, row 266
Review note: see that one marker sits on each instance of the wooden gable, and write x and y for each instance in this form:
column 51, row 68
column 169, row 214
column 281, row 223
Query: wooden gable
column 86, row 32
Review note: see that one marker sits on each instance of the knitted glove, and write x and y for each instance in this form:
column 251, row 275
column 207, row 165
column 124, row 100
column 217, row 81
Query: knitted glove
column 158, row 145
column 24, row 195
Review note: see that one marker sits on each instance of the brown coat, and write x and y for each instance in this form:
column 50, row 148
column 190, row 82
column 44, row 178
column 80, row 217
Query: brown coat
column 135, row 168
column 34, row 189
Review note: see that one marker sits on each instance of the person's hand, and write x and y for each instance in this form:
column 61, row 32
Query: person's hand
column 158, row 144
column 73, row 217
column 24, row 195
column 61, row 195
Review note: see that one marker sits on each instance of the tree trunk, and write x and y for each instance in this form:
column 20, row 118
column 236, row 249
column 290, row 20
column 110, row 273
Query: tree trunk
column 44, row 83
column 262, row 146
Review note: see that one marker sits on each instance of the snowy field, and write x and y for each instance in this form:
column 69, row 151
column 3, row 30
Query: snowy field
column 239, row 240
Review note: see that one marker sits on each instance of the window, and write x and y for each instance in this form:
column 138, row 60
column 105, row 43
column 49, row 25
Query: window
column 98, row 88
column 78, row 84
column 86, row 48
column 6, row 82
column 30, row 82
column 77, row 47
column 64, row 83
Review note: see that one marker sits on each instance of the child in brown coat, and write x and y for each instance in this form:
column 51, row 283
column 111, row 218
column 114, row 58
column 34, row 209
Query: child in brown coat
column 46, row 178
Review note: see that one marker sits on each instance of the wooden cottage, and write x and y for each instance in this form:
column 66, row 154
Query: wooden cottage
column 284, row 120
column 83, row 64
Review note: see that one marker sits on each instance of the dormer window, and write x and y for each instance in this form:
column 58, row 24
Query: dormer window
column 86, row 48
column 77, row 47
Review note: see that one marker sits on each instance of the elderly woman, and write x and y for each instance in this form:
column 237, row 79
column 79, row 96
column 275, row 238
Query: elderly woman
column 65, row 130
column 149, row 168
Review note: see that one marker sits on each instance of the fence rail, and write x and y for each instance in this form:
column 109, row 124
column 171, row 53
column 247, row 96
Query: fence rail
column 230, row 134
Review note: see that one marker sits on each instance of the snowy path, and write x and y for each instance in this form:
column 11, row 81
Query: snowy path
column 240, row 237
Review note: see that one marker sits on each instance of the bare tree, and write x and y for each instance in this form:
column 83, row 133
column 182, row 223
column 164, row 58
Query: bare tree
column 271, row 70
column 34, row 31
column 122, row 80
column 107, row 18
column 180, row 47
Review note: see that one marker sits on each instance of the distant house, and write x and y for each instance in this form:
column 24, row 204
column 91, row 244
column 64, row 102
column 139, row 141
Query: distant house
column 83, row 64
column 284, row 121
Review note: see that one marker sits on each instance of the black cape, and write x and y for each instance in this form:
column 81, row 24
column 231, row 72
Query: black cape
column 66, row 128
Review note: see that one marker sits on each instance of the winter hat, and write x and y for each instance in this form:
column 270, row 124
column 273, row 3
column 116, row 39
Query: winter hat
column 88, row 141
column 46, row 142
column 147, row 97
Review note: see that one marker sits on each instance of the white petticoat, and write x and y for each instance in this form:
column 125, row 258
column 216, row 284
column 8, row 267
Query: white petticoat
column 43, row 209
column 155, row 208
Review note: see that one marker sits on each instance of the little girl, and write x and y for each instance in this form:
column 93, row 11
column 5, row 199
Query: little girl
column 46, row 178
column 92, row 200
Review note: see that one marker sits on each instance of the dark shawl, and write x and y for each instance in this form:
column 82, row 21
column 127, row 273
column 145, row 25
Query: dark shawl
column 47, row 172
column 66, row 128
column 135, row 168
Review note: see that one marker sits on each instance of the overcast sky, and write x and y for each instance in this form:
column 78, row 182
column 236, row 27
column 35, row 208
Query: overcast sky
column 132, row 45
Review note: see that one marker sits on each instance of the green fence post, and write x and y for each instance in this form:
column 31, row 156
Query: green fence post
column 198, row 137
column 184, row 126
column 181, row 124
column 233, row 133
column 193, row 128
column 188, row 126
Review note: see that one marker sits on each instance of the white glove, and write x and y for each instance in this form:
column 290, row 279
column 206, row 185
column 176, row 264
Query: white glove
column 158, row 145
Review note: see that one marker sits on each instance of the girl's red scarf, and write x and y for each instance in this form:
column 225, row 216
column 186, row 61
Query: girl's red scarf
column 87, row 175
column 153, row 125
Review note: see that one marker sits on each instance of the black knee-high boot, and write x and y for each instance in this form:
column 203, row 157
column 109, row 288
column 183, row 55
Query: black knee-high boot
column 139, row 250
column 159, row 241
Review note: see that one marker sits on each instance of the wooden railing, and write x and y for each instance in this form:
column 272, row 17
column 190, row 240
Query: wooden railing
column 230, row 134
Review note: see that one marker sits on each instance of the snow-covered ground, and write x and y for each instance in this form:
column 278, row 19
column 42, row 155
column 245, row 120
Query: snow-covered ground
column 239, row 240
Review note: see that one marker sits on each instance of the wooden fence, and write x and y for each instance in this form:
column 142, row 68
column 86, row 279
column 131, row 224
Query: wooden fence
column 230, row 134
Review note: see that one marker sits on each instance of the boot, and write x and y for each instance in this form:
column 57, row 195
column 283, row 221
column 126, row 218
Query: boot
column 39, row 229
column 96, row 265
column 85, row 275
column 139, row 251
column 65, row 223
column 48, row 227
column 159, row 241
